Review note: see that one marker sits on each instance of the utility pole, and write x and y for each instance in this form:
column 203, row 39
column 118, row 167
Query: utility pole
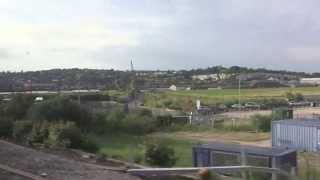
column 79, row 92
column 239, row 91
column 132, row 68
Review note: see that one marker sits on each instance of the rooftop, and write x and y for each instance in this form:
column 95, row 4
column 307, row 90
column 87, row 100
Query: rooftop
column 253, row 150
column 300, row 122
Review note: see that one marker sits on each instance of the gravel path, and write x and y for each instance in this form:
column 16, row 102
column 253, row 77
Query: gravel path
column 56, row 167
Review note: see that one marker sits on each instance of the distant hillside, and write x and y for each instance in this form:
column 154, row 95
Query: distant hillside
column 212, row 77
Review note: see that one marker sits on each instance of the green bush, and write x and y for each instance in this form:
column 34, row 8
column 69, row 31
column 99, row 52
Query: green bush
column 160, row 154
column 271, row 102
column 6, row 127
column 137, row 158
column 114, row 120
column 39, row 132
column 18, row 107
column 21, row 130
column 139, row 125
column 262, row 122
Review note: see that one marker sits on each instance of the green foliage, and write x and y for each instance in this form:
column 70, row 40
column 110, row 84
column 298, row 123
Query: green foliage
column 18, row 107
column 160, row 154
column 61, row 108
column 21, row 130
column 39, row 132
column 91, row 97
column 64, row 134
column 6, row 127
column 139, row 122
column 262, row 122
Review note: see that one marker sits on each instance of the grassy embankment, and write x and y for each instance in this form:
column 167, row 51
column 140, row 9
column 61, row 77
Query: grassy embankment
column 131, row 148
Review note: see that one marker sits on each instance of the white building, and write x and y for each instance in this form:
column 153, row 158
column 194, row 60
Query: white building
column 38, row 99
column 310, row 81
column 173, row 88
column 205, row 77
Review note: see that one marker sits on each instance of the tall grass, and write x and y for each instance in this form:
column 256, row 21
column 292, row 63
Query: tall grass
column 131, row 148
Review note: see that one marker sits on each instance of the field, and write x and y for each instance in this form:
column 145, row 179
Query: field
column 217, row 96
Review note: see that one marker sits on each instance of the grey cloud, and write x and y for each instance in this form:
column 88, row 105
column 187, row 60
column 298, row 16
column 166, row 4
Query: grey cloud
column 4, row 53
column 176, row 34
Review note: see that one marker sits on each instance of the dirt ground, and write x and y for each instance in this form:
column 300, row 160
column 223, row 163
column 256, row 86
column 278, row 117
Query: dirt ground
column 306, row 112
column 57, row 168
column 6, row 176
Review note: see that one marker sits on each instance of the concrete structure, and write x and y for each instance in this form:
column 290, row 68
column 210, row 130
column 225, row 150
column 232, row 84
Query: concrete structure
column 300, row 134
column 220, row 154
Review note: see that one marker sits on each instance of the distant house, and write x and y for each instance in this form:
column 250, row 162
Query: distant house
column 173, row 88
column 205, row 77
column 310, row 81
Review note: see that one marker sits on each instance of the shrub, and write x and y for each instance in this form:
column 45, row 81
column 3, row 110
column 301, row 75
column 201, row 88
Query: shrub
column 299, row 97
column 21, row 130
column 262, row 122
column 6, row 127
column 137, row 158
column 160, row 154
column 61, row 108
column 164, row 121
column 89, row 145
column 64, row 134
column 139, row 125
column 271, row 103
column 114, row 121
column 144, row 112
column 294, row 96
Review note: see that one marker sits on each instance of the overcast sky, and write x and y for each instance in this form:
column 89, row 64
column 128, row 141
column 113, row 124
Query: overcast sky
column 159, row 34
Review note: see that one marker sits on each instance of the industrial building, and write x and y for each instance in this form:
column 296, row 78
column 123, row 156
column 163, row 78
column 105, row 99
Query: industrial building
column 221, row 154
column 300, row 134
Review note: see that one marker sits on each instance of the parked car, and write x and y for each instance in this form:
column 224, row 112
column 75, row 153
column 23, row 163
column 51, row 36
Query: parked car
column 302, row 103
column 252, row 105
column 238, row 106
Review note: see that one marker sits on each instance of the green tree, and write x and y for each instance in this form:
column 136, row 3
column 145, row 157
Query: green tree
column 262, row 122
column 61, row 108
column 18, row 107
